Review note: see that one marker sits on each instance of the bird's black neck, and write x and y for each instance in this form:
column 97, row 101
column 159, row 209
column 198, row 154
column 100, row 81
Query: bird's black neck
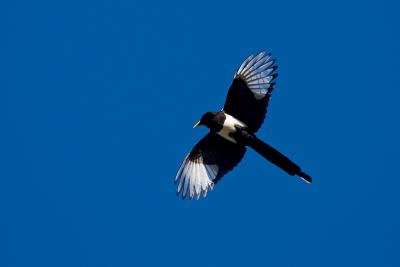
column 216, row 121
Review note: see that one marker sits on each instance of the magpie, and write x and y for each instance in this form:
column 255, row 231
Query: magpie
column 233, row 129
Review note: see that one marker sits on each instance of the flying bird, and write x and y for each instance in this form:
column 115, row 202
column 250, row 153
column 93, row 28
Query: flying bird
column 233, row 129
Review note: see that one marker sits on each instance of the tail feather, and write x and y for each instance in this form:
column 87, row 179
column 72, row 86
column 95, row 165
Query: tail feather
column 307, row 178
column 277, row 158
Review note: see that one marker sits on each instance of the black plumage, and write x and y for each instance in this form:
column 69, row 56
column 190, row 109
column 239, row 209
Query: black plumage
column 232, row 129
column 214, row 149
column 241, row 104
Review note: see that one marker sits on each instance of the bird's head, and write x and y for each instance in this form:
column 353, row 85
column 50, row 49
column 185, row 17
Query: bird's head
column 207, row 120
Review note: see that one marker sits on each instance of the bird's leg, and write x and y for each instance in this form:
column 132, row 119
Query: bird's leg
column 241, row 135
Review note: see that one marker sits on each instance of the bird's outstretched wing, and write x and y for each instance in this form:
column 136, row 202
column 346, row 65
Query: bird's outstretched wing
column 251, row 89
column 210, row 159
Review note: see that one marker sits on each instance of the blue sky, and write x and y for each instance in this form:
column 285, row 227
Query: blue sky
column 97, row 103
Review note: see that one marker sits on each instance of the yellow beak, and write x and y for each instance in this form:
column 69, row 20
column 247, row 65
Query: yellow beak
column 197, row 124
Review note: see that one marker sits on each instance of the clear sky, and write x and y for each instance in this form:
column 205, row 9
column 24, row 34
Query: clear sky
column 97, row 104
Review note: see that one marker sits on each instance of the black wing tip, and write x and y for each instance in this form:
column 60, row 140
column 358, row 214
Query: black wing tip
column 307, row 178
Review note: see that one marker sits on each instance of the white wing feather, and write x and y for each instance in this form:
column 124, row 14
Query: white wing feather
column 195, row 178
column 256, row 71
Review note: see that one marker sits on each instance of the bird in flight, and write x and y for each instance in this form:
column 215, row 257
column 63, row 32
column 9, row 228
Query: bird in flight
column 233, row 129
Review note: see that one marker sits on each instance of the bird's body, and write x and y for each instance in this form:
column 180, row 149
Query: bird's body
column 233, row 129
column 229, row 127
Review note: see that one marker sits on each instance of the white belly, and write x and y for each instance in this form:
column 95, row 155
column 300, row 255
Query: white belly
column 229, row 127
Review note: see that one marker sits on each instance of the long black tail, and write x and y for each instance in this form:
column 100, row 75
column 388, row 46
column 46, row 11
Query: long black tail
column 276, row 157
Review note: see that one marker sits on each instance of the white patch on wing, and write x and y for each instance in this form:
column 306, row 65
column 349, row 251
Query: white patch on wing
column 195, row 177
column 257, row 73
column 229, row 127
